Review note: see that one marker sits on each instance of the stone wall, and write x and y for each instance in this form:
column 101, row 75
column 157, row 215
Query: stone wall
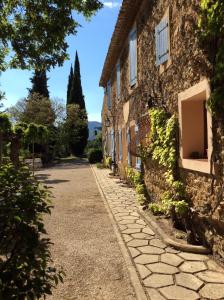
column 187, row 66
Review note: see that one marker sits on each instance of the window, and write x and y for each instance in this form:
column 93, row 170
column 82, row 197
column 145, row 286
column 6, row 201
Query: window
column 162, row 41
column 109, row 95
column 195, row 128
column 133, row 57
column 120, row 145
column 112, row 144
column 138, row 159
column 118, row 71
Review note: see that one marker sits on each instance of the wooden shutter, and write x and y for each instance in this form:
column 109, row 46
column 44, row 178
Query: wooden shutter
column 108, row 95
column 118, row 79
column 133, row 57
column 162, row 41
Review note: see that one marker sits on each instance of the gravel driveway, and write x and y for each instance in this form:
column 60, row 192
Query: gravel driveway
column 84, row 240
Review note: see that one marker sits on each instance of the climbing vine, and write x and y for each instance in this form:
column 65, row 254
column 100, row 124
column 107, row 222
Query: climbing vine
column 136, row 179
column 211, row 33
column 163, row 137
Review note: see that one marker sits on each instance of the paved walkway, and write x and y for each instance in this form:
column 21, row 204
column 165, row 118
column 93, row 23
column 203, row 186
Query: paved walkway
column 165, row 273
column 84, row 240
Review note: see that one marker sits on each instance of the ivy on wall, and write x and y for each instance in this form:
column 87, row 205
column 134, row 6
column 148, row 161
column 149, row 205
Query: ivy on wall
column 163, row 149
column 211, row 33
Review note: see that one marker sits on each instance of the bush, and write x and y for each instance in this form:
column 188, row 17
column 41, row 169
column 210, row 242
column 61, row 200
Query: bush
column 25, row 259
column 100, row 166
column 95, row 156
column 108, row 162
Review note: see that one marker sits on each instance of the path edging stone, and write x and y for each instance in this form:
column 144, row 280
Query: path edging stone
column 136, row 283
column 167, row 240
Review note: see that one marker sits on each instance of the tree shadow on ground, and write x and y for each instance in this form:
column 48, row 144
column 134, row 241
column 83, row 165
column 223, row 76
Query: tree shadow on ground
column 72, row 163
column 44, row 178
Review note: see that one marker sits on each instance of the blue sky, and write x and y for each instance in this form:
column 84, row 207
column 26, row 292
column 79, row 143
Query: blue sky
column 91, row 42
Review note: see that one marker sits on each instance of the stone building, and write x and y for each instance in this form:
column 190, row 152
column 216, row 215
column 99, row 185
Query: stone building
column 154, row 58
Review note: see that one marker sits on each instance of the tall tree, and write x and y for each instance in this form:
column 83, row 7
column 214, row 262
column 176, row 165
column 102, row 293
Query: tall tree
column 36, row 30
column 76, row 129
column 76, row 94
column 39, row 83
column 70, row 79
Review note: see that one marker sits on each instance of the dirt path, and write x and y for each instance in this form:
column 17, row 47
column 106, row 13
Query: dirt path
column 84, row 240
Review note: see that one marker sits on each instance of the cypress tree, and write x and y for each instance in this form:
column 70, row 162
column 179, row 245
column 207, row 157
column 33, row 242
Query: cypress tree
column 76, row 97
column 70, row 79
column 39, row 83
column 76, row 94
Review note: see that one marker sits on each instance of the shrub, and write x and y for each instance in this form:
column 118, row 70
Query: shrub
column 141, row 199
column 140, row 189
column 100, row 166
column 25, row 261
column 95, row 156
column 108, row 161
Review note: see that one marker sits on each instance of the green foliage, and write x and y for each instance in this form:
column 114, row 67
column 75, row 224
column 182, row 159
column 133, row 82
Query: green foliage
column 39, row 110
column 163, row 150
column 136, row 179
column 69, row 86
column 168, row 204
column 39, row 84
column 36, row 133
column 25, row 259
column 163, row 137
column 156, row 209
column 108, row 161
column 141, row 199
column 36, row 30
column 76, row 129
column 95, row 144
column 5, row 124
column 76, row 94
column 100, row 166
column 140, row 189
column 211, row 33
column 95, row 155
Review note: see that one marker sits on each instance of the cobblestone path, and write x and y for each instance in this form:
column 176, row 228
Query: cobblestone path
column 165, row 272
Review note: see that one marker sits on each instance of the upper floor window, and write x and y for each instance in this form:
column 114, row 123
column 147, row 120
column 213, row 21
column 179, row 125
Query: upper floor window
column 118, row 71
column 133, row 57
column 109, row 95
column 162, row 41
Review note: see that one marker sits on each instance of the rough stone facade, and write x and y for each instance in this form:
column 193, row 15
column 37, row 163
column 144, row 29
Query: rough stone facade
column 186, row 67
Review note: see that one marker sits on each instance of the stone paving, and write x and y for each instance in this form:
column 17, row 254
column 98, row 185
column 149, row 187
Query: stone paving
column 165, row 273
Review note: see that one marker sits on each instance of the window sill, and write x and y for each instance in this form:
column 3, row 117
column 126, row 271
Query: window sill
column 200, row 165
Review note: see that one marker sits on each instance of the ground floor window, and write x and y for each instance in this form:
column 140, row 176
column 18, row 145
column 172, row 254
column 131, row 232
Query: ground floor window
column 195, row 128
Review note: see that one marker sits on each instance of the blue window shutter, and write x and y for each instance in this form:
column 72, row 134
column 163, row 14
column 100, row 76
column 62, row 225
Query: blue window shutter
column 157, row 45
column 108, row 95
column 118, row 79
column 138, row 159
column 162, row 41
column 133, row 57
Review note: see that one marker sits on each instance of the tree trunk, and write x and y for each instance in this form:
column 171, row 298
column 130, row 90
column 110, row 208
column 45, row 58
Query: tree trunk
column 14, row 151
